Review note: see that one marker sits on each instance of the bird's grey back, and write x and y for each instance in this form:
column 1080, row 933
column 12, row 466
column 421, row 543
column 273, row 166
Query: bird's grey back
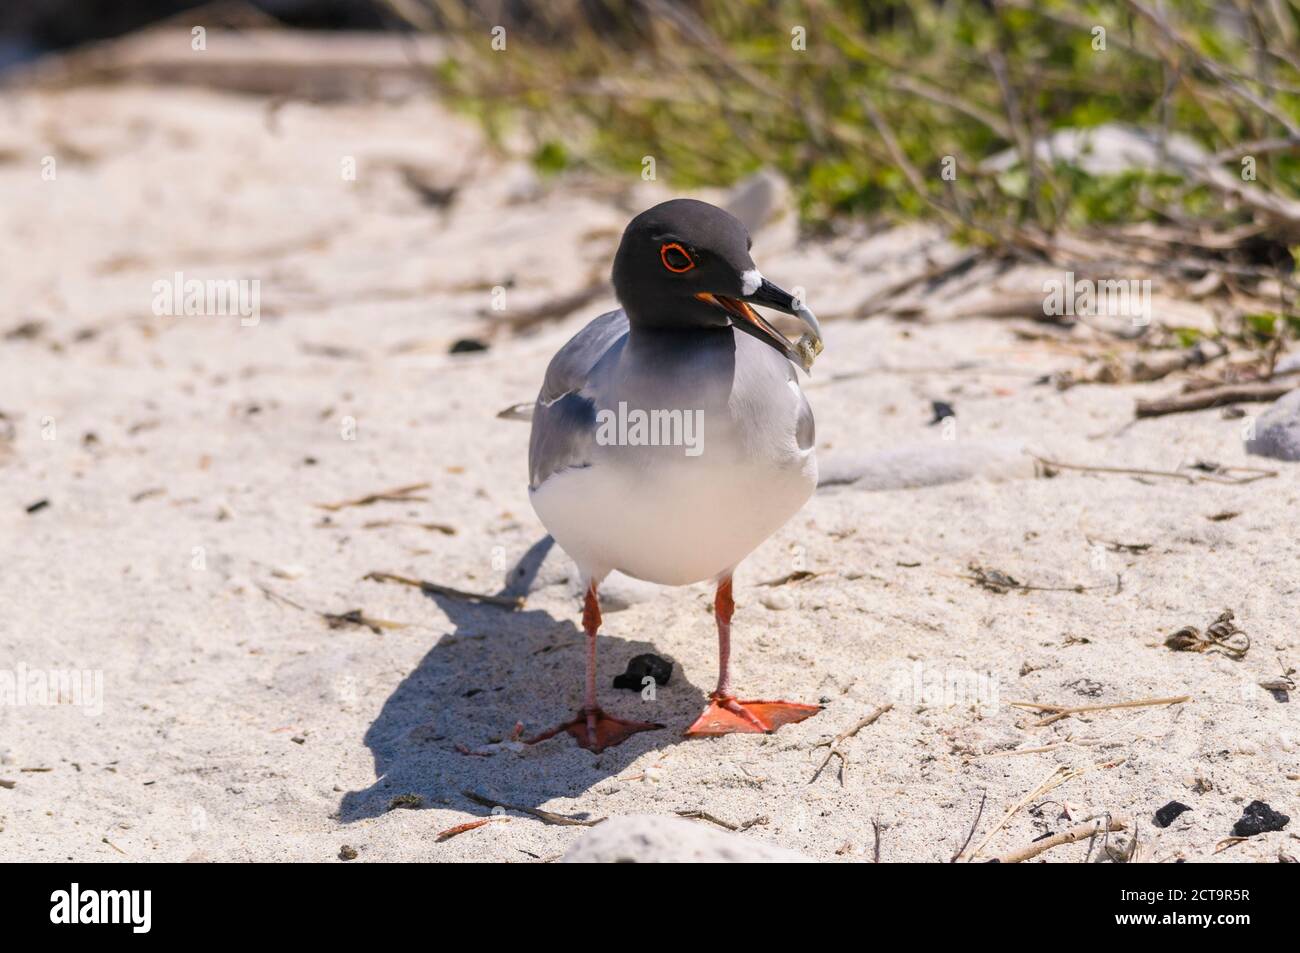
column 564, row 420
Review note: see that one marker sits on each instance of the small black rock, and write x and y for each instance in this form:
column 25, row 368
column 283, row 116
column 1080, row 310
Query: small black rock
column 1259, row 818
column 1169, row 813
column 658, row 668
column 38, row 506
column 941, row 411
column 468, row 346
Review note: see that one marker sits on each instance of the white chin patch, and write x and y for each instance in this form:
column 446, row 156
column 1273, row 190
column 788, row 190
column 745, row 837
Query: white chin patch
column 749, row 281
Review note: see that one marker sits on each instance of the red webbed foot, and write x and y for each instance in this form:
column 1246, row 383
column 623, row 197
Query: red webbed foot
column 726, row 715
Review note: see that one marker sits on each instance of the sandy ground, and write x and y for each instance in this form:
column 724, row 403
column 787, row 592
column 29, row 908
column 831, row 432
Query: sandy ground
column 183, row 460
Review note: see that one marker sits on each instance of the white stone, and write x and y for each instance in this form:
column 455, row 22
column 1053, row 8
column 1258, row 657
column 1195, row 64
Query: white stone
column 1277, row 432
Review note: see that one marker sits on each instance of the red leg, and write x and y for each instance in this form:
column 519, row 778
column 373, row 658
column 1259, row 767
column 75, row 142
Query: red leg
column 725, row 714
column 591, row 727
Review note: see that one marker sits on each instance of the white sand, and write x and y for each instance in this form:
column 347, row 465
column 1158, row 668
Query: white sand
column 235, row 727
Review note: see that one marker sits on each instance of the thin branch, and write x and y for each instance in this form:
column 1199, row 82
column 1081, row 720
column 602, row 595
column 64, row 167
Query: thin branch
column 1087, row 829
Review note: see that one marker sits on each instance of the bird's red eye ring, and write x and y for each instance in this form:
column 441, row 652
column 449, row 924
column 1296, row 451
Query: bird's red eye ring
column 676, row 258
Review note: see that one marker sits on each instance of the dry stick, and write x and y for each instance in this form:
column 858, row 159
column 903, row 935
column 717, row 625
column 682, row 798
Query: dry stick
column 546, row 817
column 1039, row 750
column 1257, row 473
column 1078, row 832
column 433, row 588
column 1023, row 135
column 1055, row 779
column 1213, row 397
column 357, row 617
column 995, row 584
column 706, row 816
column 909, row 170
column 984, row 796
column 712, row 819
column 281, row 600
column 1125, row 471
column 401, row 494
column 1072, row 742
column 834, row 744
column 336, row 620
column 1058, row 775
column 451, row 832
column 917, row 87
column 1154, row 367
column 431, row 527
column 1059, row 711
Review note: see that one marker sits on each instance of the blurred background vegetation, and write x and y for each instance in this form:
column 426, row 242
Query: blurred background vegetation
column 1160, row 134
column 1195, row 165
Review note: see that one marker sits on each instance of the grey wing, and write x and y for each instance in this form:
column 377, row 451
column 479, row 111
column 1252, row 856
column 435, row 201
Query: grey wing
column 564, row 420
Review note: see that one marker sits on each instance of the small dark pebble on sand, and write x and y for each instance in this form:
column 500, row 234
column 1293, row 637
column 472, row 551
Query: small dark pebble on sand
column 38, row 506
column 347, row 853
column 1169, row 813
column 942, row 411
column 658, row 668
column 1259, row 818
column 468, row 346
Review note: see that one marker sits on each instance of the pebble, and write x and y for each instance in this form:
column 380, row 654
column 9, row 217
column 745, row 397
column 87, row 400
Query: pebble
column 776, row 601
column 1277, row 431
column 638, row 667
column 1259, row 818
column 1167, row 814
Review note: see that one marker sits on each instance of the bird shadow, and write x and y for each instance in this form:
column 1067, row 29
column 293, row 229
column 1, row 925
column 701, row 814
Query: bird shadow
column 495, row 668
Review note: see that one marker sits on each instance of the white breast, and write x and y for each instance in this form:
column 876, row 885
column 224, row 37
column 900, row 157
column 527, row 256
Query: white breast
column 677, row 522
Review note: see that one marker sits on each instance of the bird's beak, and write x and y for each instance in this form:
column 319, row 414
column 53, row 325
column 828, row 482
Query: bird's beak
column 804, row 351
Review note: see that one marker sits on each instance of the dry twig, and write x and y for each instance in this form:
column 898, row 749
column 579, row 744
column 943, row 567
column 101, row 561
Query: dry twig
column 451, row 832
column 1208, row 476
column 726, row 825
column 401, row 494
column 546, row 817
column 984, row 796
column 1090, row 828
column 834, row 744
column 1214, row 397
column 1058, row 711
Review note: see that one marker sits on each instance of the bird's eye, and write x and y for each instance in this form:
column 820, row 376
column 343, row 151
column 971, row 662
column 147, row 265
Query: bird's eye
column 676, row 258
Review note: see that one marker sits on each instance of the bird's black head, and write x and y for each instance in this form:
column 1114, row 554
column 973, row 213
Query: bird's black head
column 686, row 264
